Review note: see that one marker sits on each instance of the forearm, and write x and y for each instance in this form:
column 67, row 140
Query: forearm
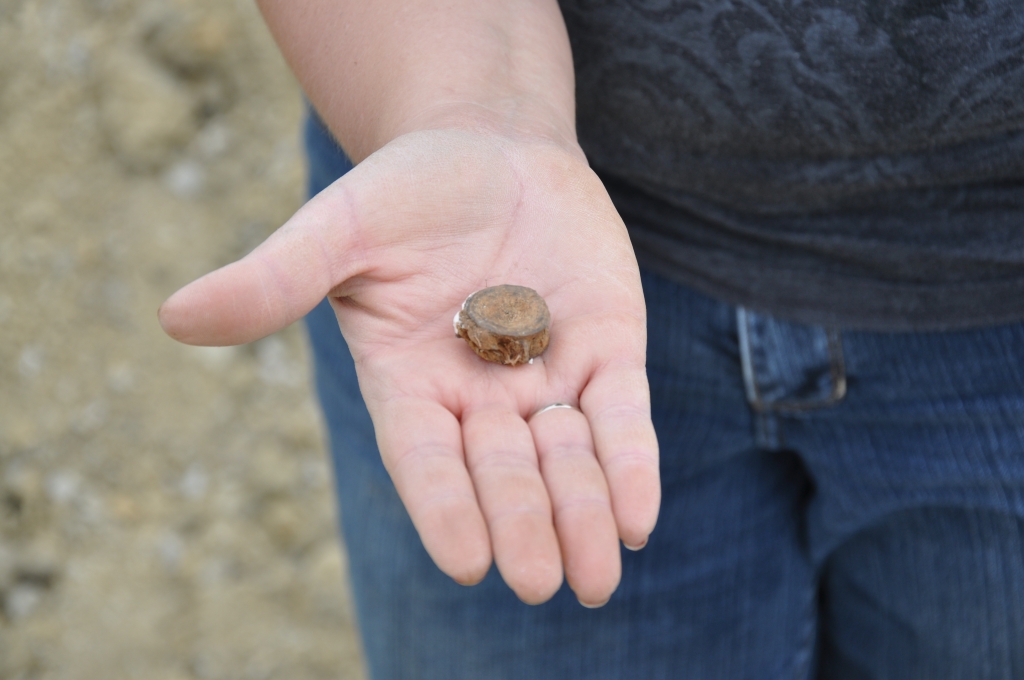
column 376, row 69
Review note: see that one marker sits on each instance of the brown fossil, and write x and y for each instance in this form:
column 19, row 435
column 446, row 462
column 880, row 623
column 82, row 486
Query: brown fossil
column 505, row 324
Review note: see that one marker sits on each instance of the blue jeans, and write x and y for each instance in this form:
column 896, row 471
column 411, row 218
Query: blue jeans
column 837, row 505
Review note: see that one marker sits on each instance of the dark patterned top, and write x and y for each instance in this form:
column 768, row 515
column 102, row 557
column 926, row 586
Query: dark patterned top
column 851, row 162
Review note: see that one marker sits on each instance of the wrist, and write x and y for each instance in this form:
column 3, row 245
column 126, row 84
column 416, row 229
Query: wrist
column 517, row 119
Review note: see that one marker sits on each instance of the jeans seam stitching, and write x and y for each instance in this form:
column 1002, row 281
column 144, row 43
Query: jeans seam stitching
column 747, row 362
column 807, row 641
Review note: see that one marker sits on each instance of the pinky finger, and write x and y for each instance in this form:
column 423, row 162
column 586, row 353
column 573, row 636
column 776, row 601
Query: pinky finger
column 617, row 403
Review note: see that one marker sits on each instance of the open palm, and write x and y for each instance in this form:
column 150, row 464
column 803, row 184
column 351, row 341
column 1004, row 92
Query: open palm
column 398, row 244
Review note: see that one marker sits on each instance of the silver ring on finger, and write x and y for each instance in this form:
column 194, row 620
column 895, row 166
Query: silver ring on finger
column 550, row 407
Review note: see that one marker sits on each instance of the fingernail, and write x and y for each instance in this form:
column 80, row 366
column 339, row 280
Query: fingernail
column 636, row 547
column 467, row 581
column 594, row 606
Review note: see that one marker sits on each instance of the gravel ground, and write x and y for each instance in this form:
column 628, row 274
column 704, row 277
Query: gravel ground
column 165, row 511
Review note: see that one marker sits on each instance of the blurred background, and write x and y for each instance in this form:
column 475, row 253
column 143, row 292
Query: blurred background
column 165, row 511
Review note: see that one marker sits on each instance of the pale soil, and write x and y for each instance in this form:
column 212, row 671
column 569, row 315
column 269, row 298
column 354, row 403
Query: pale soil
column 165, row 511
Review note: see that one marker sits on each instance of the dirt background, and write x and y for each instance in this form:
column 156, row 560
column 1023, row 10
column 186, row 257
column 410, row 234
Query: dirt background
column 165, row 511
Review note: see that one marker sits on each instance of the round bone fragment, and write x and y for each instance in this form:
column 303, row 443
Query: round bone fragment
column 505, row 324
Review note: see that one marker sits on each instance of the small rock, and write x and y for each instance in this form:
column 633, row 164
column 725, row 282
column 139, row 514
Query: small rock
column 31, row 361
column 20, row 432
column 170, row 549
column 217, row 571
column 62, row 262
column 185, row 179
column 8, row 568
column 214, row 139
column 191, row 42
column 35, row 571
column 327, row 566
column 272, row 472
column 194, row 482
column 324, row 575
column 22, row 494
column 215, row 358
column 78, row 57
column 276, row 367
column 146, row 113
column 282, row 523
column 39, row 566
column 21, row 601
column 284, row 163
column 63, row 487
column 121, row 378
column 314, row 473
column 92, row 417
column 90, row 509
column 124, row 507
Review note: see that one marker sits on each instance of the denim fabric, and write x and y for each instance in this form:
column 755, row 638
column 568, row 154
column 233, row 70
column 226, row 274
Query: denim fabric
column 837, row 505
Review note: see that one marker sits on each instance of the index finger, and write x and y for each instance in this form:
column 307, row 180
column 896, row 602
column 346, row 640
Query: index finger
column 420, row 442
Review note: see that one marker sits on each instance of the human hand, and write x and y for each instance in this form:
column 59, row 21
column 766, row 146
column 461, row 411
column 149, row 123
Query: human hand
column 398, row 244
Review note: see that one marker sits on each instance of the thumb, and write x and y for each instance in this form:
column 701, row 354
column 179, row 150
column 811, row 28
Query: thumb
column 275, row 285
